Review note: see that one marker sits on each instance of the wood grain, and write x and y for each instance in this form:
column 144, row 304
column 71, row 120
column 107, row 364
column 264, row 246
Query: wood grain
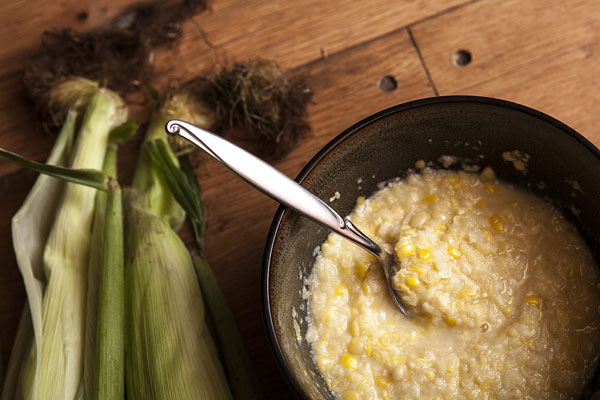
column 543, row 54
column 296, row 32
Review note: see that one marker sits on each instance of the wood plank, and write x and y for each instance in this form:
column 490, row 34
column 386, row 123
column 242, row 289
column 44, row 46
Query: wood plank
column 542, row 54
column 296, row 32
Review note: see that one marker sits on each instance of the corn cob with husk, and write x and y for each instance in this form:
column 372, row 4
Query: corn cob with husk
column 170, row 353
column 109, row 352
column 60, row 360
column 238, row 368
column 55, row 270
column 179, row 176
column 30, row 228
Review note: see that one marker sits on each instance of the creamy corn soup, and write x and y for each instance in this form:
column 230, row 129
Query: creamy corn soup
column 504, row 291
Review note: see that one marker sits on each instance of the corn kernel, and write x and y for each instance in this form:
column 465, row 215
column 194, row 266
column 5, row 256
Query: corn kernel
column 382, row 381
column 431, row 198
column 450, row 321
column 355, row 346
column 366, row 289
column 369, row 349
column 430, row 375
column 441, row 229
column 354, row 328
column 419, row 270
column 386, row 340
column 413, row 282
column 329, row 316
column 452, row 365
column 507, row 309
column 349, row 361
column 351, row 395
column 405, row 249
column 360, row 201
column 399, row 372
column 362, row 269
column 490, row 187
column 424, row 255
column 489, row 385
column 341, row 290
column 519, row 165
column 323, row 363
column 487, row 174
column 534, row 301
column 455, row 182
column 398, row 360
column 467, row 293
column 420, row 164
column 454, row 252
column 498, row 223
column 488, row 235
column 408, row 232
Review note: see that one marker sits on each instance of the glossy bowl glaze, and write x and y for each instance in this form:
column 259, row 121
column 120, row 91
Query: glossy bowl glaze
column 563, row 167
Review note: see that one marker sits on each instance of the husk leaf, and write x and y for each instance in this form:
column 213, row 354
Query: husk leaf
column 169, row 351
column 30, row 228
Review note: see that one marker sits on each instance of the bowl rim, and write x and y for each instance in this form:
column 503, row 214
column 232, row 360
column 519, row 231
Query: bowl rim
column 325, row 150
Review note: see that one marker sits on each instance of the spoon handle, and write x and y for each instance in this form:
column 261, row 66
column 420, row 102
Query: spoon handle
column 271, row 182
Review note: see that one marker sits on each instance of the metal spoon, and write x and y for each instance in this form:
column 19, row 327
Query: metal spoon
column 284, row 190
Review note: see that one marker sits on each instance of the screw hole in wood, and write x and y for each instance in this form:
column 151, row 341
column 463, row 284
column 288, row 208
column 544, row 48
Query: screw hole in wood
column 387, row 83
column 462, row 58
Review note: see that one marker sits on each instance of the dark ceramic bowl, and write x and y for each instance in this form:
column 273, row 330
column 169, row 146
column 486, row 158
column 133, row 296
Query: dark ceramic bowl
column 386, row 145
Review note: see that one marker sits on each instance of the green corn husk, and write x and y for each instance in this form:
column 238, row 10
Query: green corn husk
column 169, row 352
column 184, row 186
column 110, row 334
column 91, row 372
column 238, row 368
column 149, row 180
column 105, row 315
column 30, row 228
column 56, row 369
column 60, row 363
column 109, row 354
column 22, row 348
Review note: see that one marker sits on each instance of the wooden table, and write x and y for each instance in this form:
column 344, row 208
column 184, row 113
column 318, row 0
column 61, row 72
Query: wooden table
column 541, row 53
